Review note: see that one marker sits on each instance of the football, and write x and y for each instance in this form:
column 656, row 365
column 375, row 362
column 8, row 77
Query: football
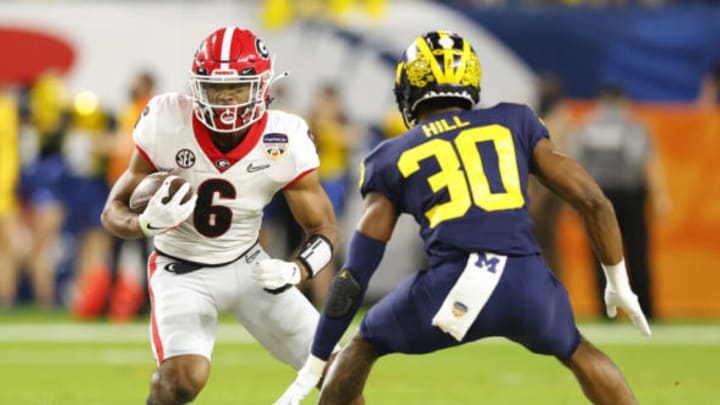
column 147, row 188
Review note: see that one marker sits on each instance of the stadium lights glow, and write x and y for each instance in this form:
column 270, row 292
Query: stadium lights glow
column 86, row 102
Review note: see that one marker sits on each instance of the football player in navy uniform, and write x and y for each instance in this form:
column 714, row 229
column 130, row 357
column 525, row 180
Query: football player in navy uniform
column 463, row 174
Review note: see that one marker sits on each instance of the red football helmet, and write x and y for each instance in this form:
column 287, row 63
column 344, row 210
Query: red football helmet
column 230, row 79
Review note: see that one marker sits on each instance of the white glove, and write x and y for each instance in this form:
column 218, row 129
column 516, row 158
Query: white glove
column 307, row 379
column 276, row 275
column 619, row 294
column 158, row 217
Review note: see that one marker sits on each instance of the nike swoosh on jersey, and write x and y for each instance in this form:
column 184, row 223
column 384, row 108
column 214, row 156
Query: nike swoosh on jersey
column 155, row 228
column 249, row 258
column 252, row 169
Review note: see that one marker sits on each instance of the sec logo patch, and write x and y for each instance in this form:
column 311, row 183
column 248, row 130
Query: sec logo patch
column 185, row 158
column 275, row 145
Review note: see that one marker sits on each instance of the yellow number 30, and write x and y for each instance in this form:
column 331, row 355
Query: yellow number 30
column 456, row 180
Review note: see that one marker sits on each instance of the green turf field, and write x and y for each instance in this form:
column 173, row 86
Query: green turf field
column 74, row 364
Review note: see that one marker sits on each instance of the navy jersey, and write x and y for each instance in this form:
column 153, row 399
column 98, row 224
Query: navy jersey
column 463, row 177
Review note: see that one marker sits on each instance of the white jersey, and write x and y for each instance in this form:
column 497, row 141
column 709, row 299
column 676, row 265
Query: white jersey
column 233, row 187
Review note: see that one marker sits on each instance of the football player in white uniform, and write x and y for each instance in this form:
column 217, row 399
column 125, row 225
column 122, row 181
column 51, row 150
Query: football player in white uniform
column 236, row 154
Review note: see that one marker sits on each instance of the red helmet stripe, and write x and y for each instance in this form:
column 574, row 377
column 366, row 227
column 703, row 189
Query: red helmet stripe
column 226, row 47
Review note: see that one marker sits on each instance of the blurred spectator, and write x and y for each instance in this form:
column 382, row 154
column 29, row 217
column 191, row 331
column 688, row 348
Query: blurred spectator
column 391, row 126
column 141, row 91
column 107, row 288
column 9, row 171
column 129, row 298
column 545, row 206
column 63, row 186
column 335, row 139
column 86, row 148
column 41, row 182
column 710, row 88
column 619, row 153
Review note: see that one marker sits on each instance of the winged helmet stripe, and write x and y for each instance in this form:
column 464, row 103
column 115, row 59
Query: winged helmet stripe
column 424, row 49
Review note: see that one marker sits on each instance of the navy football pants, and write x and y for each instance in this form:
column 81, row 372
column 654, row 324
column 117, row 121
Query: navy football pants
column 529, row 306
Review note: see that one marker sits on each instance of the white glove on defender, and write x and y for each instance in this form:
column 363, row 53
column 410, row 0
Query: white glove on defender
column 619, row 294
column 276, row 275
column 158, row 217
column 307, row 379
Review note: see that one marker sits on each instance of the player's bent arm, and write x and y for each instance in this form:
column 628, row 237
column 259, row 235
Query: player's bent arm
column 567, row 178
column 313, row 210
column 349, row 286
column 116, row 216
column 379, row 217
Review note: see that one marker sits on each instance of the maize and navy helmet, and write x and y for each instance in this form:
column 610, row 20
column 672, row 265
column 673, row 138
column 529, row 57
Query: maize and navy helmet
column 438, row 64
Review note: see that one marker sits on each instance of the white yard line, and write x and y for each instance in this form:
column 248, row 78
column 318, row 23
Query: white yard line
column 665, row 334
column 72, row 332
column 607, row 334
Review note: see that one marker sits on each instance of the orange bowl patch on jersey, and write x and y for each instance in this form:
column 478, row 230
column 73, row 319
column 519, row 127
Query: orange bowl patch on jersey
column 275, row 144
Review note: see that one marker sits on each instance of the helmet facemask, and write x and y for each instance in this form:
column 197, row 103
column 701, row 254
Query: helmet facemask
column 228, row 102
column 230, row 79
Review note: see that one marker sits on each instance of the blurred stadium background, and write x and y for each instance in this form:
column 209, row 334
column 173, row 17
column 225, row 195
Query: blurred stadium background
column 75, row 75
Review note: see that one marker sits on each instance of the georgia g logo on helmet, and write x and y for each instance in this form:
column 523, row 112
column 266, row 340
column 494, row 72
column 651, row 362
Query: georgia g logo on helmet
column 261, row 48
column 230, row 79
column 438, row 64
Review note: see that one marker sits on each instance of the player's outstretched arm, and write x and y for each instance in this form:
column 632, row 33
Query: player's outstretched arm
column 346, row 294
column 116, row 216
column 568, row 178
column 367, row 248
column 313, row 210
